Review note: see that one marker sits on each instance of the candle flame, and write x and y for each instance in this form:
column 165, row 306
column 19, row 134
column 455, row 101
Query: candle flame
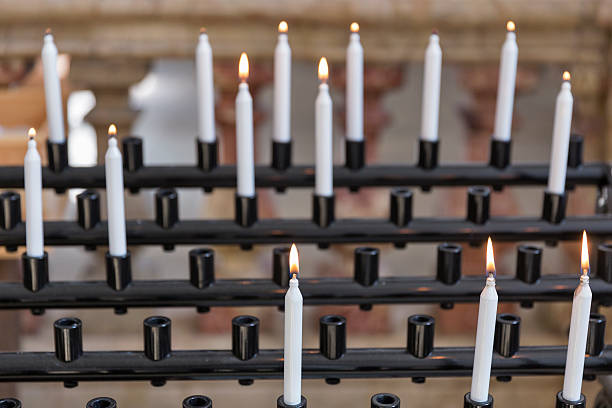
column 354, row 27
column 510, row 26
column 48, row 31
column 243, row 67
column 112, row 130
column 294, row 261
column 283, row 27
column 202, row 30
column 584, row 258
column 323, row 69
column 490, row 259
column 31, row 133
column 566, row 76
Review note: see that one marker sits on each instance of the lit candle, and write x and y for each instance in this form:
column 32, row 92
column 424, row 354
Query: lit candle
column 506, row 86
column 485, row 333
column 33, row 197
column 561, row 136
column 206, row 89
column 244, row 133
column 431, row 89
column 282, row 86
column 113, row 166
column 292, row 392
column 324, row 184
column 354, row 87
column 579, row 325
column 53, row 92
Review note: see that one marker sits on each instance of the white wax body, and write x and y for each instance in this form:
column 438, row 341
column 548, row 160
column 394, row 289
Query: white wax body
column 244, row 142
column 292, row 392
column 431, row 90
column 206, row 90
column 33, row 197
column 113, row 166
column 282, row 90
column 505, row 88
column 560, row 142
column 485, row 333
column 354, row 89
column 53, row 92
column 576, row 346
column 324, row 166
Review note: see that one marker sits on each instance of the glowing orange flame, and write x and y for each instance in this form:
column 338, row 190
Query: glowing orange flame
column 31, row 133
column 566, row 76
column 354, row 27
column 510, row 26
column 283, row 27
column 112, row 130
column 584, row 258
column 323, row 69
column 294, row 260
column 243, row 67
column 490, row 258
column 202, row 30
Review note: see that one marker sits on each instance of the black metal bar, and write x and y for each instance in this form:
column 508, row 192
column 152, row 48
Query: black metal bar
column 268, row 364
column 262, row 292
column 303, row 176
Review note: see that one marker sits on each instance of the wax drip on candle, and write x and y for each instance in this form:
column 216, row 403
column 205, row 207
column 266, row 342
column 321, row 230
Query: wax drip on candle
column 323, row 70
column 243, row 67
column 283, row 27
column 490, row 260
column 112, row 130
column 294, row 262
column 31, row 133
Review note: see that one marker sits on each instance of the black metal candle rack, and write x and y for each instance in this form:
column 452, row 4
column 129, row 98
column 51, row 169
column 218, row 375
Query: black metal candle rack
column 419, row 359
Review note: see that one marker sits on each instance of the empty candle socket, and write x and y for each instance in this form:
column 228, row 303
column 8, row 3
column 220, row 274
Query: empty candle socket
column 563, row 403
column 500, row 153
column 574, row 153
column 323, row 210
column 202, row 267
column 355, row 154
column 281, row 155
column 332, row 336
column 468, row 402
column 246, row 210
column 401, row 206
column 384, row 400
column 280, row 403
column 280, row 266
column 10, row 210
column 132, row 153
column 57, row 153
column 157, row 337
column 197, row 401
column 478, row 203
column 366, row 265
column 604, row 262
column 428, row 154
column 507, row 334
column 68, row 334
column 245, row 337
column 101, row 402
column 166, row 207
column 420, row 335
column 35, row 271
column 10, row 403
column 596, row 334
column 88, row 209
column 449, row 263
column 528, row 263
column 118, row 270
column 553, row 209
column 207, row 155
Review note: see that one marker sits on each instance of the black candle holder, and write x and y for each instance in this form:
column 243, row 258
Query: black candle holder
column 500, row 153
column 101, row 402
column 563, row 403
column 384, row 400
column 449, row 263
column 366, row 265
column 118, row 270
column 57, row 153
column 332, row 336
column 246, row 210
column 553, row 209
column 428, row 154
column 88, row 209
column 507, row 334
column 575, row 151
column 68, row 334
column 132, row 153
column 478, row 203
column 10, row 403
column 401, row 206
column 420, row 335
column 197, row 401
column 245, row 337
column 10, row 210
column 281, row 155
column 355, row 154
column 468, row 402
column 323, row 210
column 35, row 271
column 202, row 267
column 166, row 211
column 604, row 262
column 529, row 263
column 280, row 266
column 596, row 334
column 208, row 155
column 280, row 403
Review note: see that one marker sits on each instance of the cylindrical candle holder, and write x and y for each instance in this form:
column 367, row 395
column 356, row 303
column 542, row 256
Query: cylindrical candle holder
column 553, row 209
column 596, row 333
column 101, row 402
column 420, row 335
column 57, row 154
column 478, row 203
column 132, row 153
column 197, row 401
column 449, row 263
column 88, row 209
column 245, row 337
column 35, row 271
column 366, row 265
column 157, row 337
column 428, row 154
column 280, row 403
column 68, row 334
column 468, row 402
column 10, row 403
column 10, row 210
column 280, row 266
column 332, row 336
column 246, row 210
column 202, row 267
column 166, row 207
column 401, row 206
column 355, row 154
column 208, row 154
column 604, row 262
column 323, row 212
column 528, row 263
column 507, row 334
column 500, row 153
column 118, row 270
column 384, row 400
column 281, row 155
column 574, row 153
column 563, row 403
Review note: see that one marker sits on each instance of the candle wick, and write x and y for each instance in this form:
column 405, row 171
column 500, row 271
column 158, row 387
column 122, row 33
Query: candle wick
column 294, row 276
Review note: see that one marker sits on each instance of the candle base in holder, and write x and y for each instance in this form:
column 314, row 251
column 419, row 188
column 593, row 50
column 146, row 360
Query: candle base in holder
column 35, row 271
column 355, row 154
column 323, row 213
column 132, row 153
column 118, row 270
column 57, row 154
column 384, row 400
column 246, row 210
column 208, row 155
column 428, row 154
column 280, row 403
column 553, row 209
column 563, row 403
column 470, row 403
column 500, row 153
column 281, row 155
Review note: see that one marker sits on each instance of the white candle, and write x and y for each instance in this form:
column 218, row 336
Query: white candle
column 579, row 326
column 206, row 89
column 324, row 184
column 282, row 86
column 245, row 167
column 561, row 137
column 53, row 91
column 33, row 197
column 485, row 333
column 113, row 166
column 292, row 392
column 354, row 87
column 506, row 86
column 431, row 90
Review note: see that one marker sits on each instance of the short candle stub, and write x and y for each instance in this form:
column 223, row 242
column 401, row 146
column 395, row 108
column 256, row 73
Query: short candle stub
column 575, row 152
column 202, row 267
column 10, row 403
column 10, row 210
column 355, row 154
column 553, row 209
column 281, row 155
column 507, row 334
column 246, row 210
column 208, row 155
column 102, row 402
column 500, row 153
column 68, row 335
column 332, row 336
column 88, row 209
column 366, row 265
column 428, row 154
column 449, row 263
column 57, row 154
column 157, row 337
column 400, row 212
column 563, row 403
column 468, row 402
column 323, row 210
column 245, row 337
column 478, row 203
column 197, row 401
column 604, row 262
column 118, row 270
column 384, row 400
column 529, row 263
column 420, row 335
column 132, row 153
column 35, row 271
column 596, row 334
column 280, row 403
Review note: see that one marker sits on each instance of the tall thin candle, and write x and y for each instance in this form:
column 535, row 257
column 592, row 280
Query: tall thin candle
column 324, row 185
column 506, row 85
column 206, row 89
column 431, row 89
column 561, row 136
column 354, row 86
column 282, row 86
column 113, row 167
column 244, row 133
column 53, row 91
column 292, row 392
column 33, row 197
